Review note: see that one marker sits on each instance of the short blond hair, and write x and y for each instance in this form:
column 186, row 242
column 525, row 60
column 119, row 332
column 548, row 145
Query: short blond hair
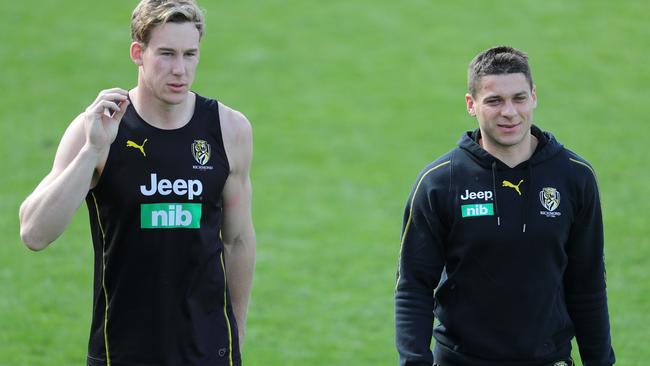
column 151, row 13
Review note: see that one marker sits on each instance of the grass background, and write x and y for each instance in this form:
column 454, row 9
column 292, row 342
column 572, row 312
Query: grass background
column 348, row 100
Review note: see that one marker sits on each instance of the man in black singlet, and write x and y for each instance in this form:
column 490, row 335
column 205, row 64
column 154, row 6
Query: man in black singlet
column 165, row 174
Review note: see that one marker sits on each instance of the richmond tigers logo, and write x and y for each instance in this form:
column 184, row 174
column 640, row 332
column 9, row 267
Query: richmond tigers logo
column 201, row 151
column 550, row 198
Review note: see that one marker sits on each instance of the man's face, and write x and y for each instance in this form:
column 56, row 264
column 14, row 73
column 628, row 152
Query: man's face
column 503, row 106
column 168, row 62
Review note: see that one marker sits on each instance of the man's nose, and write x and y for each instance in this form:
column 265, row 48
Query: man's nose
column 178, row 66
column 508, row 109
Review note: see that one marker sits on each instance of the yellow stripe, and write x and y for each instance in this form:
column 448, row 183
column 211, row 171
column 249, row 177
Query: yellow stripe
column 101, row 228
column 581, row 163
column 408, row 221
column 225, row 310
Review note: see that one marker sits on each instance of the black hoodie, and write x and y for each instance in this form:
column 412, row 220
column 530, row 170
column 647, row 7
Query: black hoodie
column 515, row 256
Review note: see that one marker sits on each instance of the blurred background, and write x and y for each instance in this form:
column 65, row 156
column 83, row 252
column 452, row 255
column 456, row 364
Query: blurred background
column 348, row 101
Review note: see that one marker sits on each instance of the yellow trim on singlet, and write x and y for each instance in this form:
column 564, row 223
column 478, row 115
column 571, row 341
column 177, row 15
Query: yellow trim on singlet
column 225, row 310
column 108, row 358
column 581, row 163
column 408, row 221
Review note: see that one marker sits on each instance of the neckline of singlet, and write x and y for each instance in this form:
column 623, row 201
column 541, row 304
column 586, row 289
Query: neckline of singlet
column 154, row 128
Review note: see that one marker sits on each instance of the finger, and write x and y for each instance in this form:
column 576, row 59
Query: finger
column 116, row 98
column 120, row 113
column 105, row 107
column 113, row 97
column 114, row 91
column 101, row 105
column 112, row 94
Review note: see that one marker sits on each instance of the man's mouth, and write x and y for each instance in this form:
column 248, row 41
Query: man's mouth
column 508, row 126
column 176, row 86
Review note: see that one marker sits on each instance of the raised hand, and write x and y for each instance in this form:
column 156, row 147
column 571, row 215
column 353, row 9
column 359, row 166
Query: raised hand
column 102, row 118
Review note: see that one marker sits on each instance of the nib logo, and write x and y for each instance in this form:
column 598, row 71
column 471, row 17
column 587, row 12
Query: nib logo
column 479, row 209
column 170, row 216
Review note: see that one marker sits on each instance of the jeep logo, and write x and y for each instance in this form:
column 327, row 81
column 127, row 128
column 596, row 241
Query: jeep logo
column 180, row 187
column 481, row 195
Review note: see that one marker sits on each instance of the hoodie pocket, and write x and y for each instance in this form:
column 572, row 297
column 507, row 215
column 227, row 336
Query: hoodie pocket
column 561, row 310
column 445, row 296
column 559, row 329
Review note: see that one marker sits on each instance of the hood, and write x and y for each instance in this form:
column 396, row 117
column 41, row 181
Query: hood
column 547, row 147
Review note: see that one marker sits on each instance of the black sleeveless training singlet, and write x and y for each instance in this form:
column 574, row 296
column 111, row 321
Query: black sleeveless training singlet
column 160, row 294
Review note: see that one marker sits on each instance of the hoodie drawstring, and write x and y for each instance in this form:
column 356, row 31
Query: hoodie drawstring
column 528, row 194
column 529, row 187
column 494, row 187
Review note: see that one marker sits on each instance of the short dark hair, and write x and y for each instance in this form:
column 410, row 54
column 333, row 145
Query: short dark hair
column 496, row 61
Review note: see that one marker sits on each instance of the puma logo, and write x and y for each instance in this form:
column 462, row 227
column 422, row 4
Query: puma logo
column 510, row 185
column 130, row 143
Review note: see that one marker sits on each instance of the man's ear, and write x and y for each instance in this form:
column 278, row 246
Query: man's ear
column 137, row 49
column 534, row 96
column 470, row 105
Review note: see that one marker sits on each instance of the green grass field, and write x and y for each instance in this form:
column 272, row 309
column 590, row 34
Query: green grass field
column 348, row 100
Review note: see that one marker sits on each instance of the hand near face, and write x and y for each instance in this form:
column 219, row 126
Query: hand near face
column 102, row 118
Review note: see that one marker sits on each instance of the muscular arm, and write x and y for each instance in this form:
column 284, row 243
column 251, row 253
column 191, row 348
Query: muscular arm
column 47, row 211
column 238, row 233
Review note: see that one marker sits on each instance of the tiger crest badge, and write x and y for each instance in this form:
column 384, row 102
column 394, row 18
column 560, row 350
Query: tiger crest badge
column 201, row 151
column 550, row 198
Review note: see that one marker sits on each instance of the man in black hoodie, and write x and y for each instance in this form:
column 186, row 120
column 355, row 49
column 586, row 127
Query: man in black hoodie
column 503, row 240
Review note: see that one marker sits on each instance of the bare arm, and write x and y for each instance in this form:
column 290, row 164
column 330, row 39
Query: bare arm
column 47, row 211
column 238, row 232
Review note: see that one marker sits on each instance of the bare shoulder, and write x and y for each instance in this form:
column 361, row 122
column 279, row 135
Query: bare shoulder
column 234, row 124
column 237, row 137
